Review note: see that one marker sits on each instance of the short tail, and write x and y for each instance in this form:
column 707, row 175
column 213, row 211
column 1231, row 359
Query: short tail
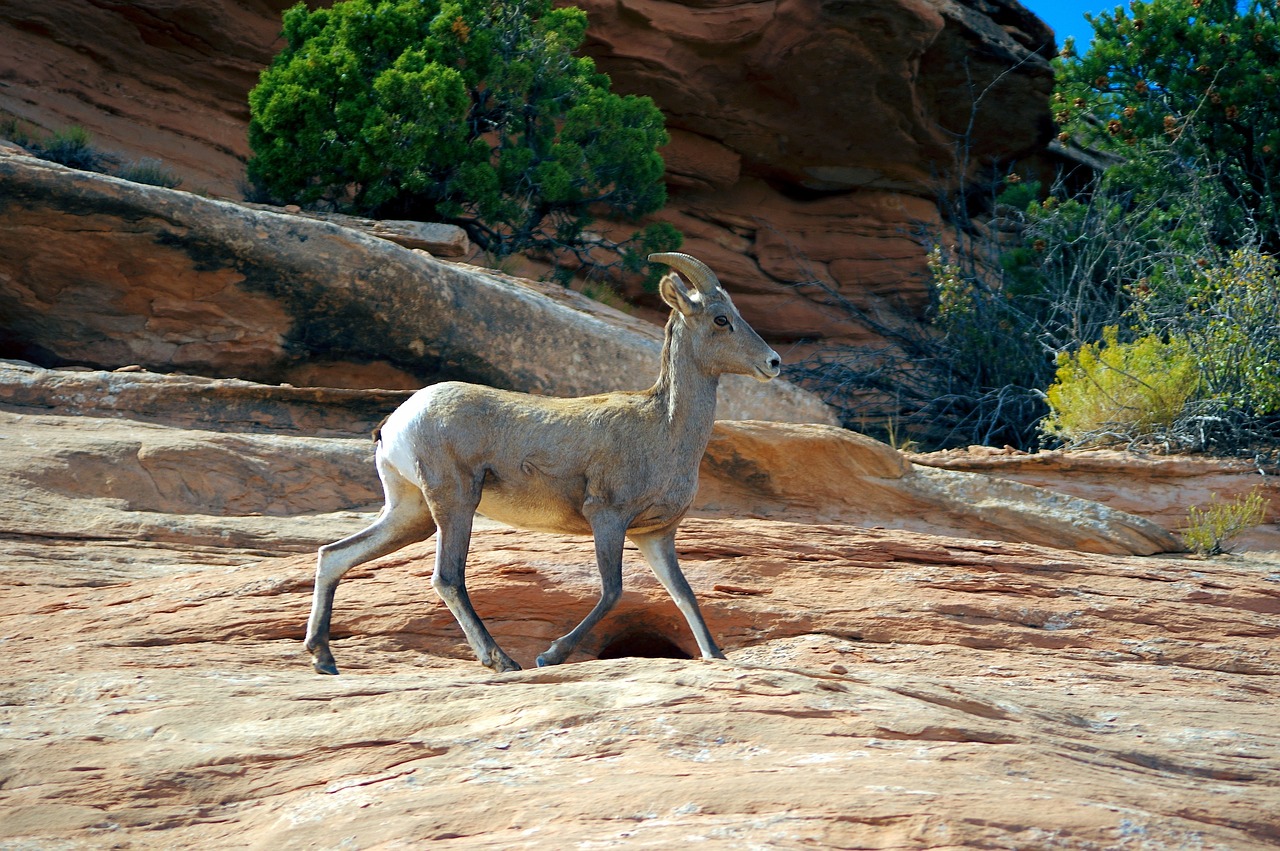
column 377, row 430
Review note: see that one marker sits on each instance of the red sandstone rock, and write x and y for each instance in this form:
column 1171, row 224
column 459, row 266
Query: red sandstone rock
column 768, row 103
column 147, row 480
column 159, row 78
column 100, row 271
column 884, row 687
column 844, row 118
column 825, row 474
column 832, row 96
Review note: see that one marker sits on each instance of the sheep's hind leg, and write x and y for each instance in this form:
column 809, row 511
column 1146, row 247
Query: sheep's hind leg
column 404, row 520
column 449, row 580
column 659, row 550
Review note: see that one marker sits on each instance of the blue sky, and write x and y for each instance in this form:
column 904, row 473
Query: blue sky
column 1066, row 17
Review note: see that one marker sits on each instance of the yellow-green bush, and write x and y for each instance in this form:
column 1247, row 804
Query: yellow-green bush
column 1211, row 529
column 1111, row 391
column 1232, row 321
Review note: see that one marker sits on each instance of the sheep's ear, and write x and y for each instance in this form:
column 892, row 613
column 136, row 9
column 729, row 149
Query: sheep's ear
column 676, row 295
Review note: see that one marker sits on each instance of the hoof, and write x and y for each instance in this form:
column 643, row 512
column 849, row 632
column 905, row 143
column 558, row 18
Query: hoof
column 322, row 659
column 501, row 664
column 330, row 667
column 544, row 662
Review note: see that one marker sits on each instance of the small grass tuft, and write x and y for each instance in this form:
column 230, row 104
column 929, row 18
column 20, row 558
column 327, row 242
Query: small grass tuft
column 73, row 147
column 14, row 131
column 151, row 172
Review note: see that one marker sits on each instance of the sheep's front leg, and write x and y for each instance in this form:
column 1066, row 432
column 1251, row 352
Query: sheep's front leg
column 659, row 550
column 610, row 532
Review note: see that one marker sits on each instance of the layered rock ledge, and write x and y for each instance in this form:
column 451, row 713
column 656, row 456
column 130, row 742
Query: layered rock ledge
column 104, row 272
column 884, row 687
column 164, row 458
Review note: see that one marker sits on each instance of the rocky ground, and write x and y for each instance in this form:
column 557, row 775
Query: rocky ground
column 884, row 688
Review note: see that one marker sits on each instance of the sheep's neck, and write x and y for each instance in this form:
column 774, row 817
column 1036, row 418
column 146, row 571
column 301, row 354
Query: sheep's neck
column 685, row 393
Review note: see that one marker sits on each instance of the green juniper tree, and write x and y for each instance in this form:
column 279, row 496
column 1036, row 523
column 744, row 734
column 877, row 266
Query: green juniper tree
column 1188, row 92
column 468, row 111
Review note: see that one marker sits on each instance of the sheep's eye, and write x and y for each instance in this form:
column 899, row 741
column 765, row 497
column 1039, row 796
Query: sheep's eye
column 723, row 322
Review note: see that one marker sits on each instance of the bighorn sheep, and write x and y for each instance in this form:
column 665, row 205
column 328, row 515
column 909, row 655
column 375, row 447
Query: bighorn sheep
column 617, row 465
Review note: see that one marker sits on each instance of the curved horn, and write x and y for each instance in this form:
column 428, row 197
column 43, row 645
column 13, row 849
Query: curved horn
column 698, row 273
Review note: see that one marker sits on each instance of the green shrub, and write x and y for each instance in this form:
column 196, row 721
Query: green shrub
column 1111, row 391
column 467, row 111
column 972, row 376
column 1211, row 529
column 1233, row 322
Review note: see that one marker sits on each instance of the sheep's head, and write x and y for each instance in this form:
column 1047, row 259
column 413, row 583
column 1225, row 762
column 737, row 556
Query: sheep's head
column 723, row 341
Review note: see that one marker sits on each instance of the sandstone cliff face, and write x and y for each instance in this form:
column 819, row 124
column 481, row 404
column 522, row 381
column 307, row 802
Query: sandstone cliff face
column 810, row 140
column 157, row 78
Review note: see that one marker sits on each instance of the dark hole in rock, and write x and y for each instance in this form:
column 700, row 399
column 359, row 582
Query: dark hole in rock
column 646, row 645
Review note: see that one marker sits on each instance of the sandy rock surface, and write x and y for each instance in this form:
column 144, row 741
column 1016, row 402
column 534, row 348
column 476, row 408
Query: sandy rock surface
column 883, row 689
column 1161, row 488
